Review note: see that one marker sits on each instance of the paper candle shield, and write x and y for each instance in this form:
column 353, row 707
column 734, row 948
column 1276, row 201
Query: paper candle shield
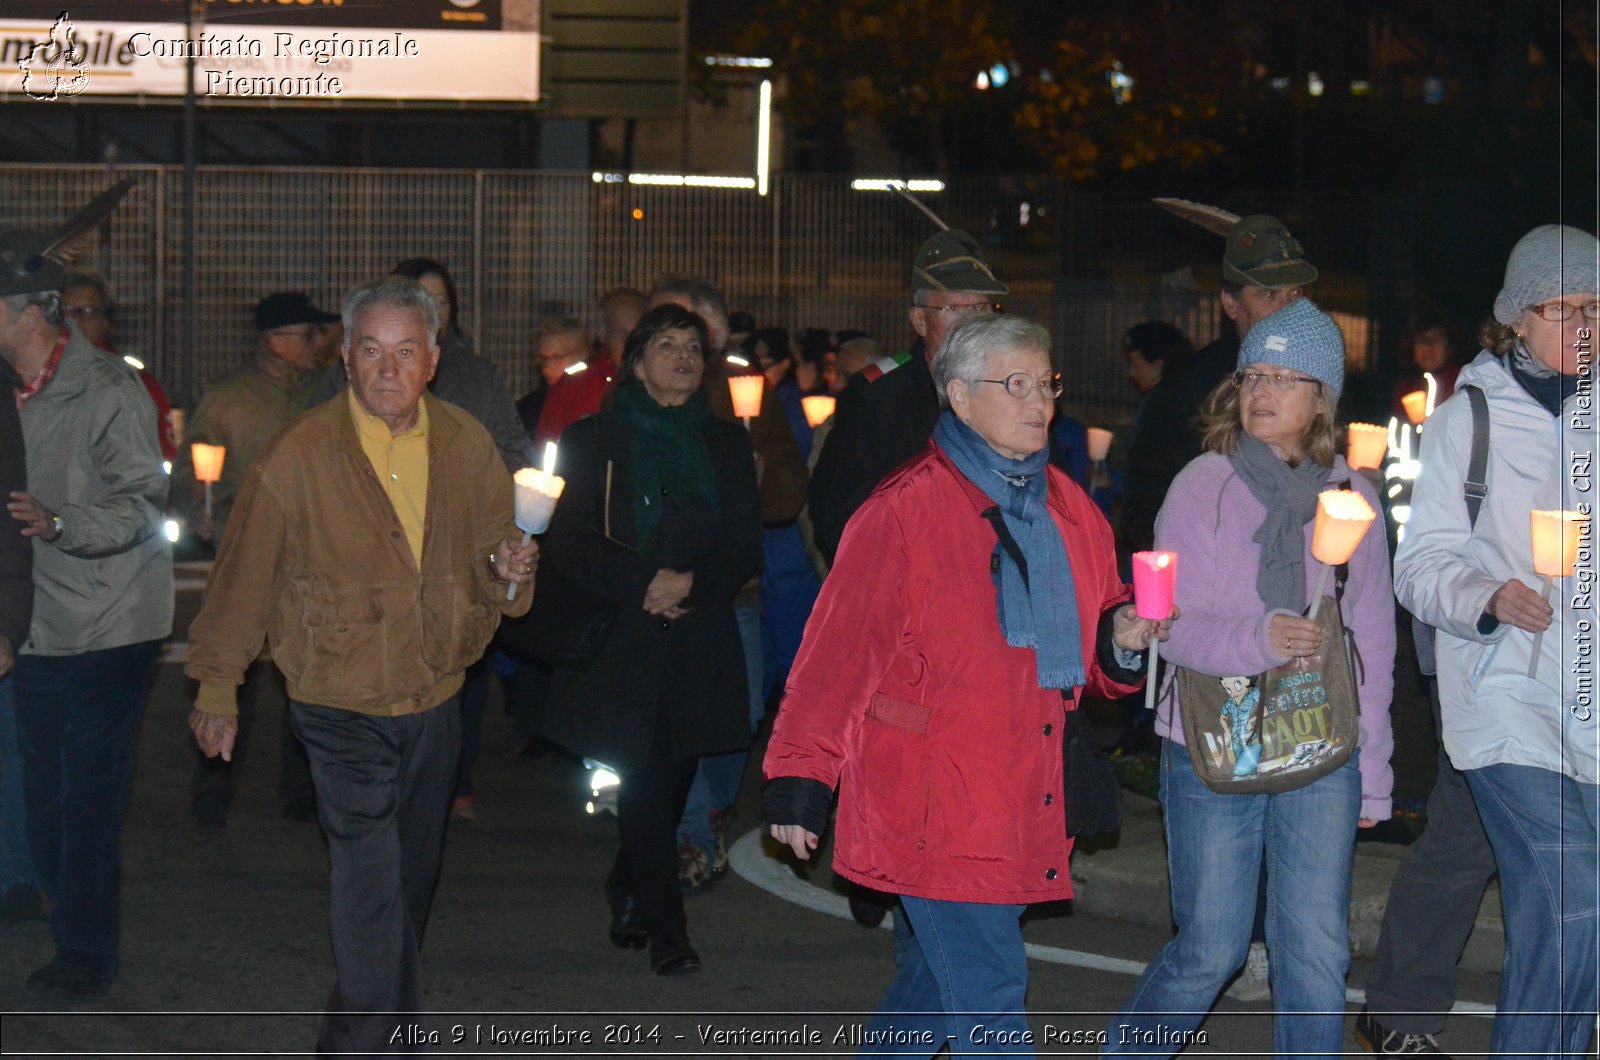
column 818, row 407
column 1099, row 443
column 1555, row 542
column 535, row 498
column 1154, row 576
column 746, row 393
column 1367, row 445
column 1342, row 520
column 207, row 461
column 1416, row 406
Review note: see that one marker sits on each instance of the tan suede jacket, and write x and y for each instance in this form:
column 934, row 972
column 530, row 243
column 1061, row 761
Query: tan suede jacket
column 315, row 562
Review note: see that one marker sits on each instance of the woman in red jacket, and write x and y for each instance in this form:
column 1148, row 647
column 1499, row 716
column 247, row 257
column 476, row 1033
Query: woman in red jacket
column 933, row 684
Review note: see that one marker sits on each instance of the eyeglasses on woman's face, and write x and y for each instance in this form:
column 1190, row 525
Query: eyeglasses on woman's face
column 1556, row 312
column 1020, row 385
column 1247, row 378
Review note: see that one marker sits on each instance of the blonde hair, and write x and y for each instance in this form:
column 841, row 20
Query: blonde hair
column 1221, row 427
column 1497, row 338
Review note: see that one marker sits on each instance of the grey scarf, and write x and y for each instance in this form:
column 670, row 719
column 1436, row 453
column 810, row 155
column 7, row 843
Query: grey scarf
column 1289, row 494
column 1530, row 365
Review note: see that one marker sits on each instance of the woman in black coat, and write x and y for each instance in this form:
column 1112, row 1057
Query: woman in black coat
column 660, row 515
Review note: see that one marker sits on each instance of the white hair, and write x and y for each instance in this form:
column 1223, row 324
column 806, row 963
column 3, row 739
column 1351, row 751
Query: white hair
column 965, row 352
column 395, row 291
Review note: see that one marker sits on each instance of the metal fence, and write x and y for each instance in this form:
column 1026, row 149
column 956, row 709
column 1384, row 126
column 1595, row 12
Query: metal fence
column 814, row 252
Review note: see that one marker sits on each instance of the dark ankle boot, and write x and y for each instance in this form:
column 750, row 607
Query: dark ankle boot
column 673, row 956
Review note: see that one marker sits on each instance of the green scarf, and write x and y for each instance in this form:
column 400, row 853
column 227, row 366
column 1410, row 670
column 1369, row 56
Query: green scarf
column 668, row 450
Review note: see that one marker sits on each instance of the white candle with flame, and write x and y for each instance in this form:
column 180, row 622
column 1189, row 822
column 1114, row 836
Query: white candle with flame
column 1343, row 517
column 535, row 496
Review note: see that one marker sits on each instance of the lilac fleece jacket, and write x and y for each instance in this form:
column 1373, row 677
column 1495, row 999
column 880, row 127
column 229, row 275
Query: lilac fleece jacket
column 1209, row 519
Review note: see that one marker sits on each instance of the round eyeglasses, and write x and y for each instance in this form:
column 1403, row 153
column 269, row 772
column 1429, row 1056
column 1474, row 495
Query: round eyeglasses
column 1020, row 384
column 1555, row 312
column 1245, row 380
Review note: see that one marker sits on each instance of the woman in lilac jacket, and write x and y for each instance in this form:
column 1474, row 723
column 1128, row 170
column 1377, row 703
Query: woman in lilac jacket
column 1240, row 519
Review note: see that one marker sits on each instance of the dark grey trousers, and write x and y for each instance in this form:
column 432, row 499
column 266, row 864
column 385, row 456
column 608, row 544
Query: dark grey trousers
column 383, row 790
column 1433, row 903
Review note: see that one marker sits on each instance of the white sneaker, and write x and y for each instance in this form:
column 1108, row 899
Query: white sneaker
column 1255, row 982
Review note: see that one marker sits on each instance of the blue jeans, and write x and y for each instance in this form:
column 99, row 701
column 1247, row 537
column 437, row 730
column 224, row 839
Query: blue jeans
column 963, row 978
column 1215, row 845
column 78, row 723
column 716, row 781
column 16, row 859
column 1542, row 826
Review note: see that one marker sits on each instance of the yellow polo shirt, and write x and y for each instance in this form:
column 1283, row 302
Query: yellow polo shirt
column 401, row 463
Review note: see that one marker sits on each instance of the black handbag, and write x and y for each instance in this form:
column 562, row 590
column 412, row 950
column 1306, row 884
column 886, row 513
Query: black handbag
column 1092, row 794
column 567, row 625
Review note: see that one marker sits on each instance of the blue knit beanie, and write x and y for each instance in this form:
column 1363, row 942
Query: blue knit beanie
column 1302, row 337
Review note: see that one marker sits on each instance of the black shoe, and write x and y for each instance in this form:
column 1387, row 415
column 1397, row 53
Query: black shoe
column 210, row 813
column 1374, row 1037
column 869, row 907
column 21, row 904
column 673, row 957
column 628, row 930
column 68, row 982
column 43, row 980
column 627, row 923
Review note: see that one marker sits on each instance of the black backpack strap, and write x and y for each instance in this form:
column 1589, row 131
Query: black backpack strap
column 1007, row 542
column 1014, row 550
column 1476, row 487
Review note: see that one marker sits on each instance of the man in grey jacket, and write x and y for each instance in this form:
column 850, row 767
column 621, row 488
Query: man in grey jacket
column 102, row 605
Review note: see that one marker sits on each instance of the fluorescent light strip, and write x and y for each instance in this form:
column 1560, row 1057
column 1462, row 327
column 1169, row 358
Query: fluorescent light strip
column 677, row 180
column 764, row 138
column 908, row 185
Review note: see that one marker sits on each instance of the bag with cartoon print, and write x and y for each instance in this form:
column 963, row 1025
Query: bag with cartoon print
column 1276, row 731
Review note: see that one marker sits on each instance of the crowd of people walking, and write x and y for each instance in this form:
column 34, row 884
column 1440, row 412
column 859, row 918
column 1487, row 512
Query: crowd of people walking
column 919, row 583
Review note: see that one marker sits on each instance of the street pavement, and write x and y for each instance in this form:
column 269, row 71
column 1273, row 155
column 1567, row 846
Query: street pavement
column 225, row 946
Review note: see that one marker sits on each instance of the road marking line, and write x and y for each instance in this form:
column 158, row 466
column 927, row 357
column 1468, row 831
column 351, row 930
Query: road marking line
column 748, row 858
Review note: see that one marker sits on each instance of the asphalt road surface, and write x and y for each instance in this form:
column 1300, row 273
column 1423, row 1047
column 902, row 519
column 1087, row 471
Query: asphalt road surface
column 225, row 948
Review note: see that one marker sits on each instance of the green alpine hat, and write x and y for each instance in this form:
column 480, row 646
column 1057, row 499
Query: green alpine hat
column 23, row 267
column 952, row 260
column 1262, row 253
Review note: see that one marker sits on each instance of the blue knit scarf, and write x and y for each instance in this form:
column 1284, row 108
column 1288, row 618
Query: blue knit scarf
column 1042, row 615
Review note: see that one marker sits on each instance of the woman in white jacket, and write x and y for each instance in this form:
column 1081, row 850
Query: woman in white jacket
column 1528, row 746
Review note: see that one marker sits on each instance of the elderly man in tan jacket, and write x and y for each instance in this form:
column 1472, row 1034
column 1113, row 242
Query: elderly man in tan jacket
column 371, row 547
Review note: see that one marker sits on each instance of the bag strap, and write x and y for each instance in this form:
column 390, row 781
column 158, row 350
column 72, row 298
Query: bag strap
column 1476, row 487
column 1002, row 532
column 997, row 519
